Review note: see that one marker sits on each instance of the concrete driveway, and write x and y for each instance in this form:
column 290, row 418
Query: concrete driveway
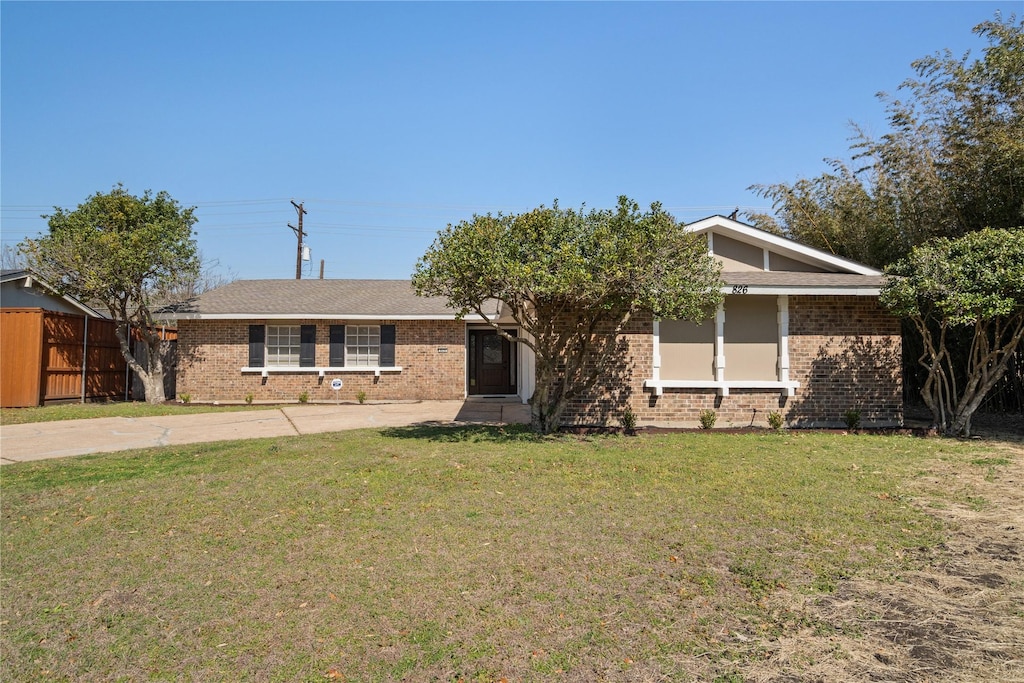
column 42, row 440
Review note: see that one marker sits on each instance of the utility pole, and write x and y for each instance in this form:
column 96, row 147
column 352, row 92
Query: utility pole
column 299, row 234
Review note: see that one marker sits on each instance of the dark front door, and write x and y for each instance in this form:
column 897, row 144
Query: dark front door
column 492, row 366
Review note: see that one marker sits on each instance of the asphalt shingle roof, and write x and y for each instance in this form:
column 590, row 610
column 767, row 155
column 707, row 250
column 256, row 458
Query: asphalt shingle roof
column 386, row 299
column 779, row 278
column 316, row 298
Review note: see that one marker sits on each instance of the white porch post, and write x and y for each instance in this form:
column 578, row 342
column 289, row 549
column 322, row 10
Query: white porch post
column 720, row 350
column 784, row 342
column 656, row 358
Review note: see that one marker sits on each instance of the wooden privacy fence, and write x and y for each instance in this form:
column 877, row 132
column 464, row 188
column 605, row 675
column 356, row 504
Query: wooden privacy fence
column 51, row 356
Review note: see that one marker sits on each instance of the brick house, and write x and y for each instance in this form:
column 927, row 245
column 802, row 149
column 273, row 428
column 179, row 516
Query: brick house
column 800, row 332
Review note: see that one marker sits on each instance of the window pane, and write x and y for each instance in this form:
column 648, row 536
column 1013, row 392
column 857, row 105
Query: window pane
column 492, row 349
column 283, row 345
column 362, row 345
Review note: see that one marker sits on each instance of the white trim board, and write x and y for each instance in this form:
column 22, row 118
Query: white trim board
column 796, row 290
column 751, row 235
column 316, row 316
column 322, row 371
column 723, row 387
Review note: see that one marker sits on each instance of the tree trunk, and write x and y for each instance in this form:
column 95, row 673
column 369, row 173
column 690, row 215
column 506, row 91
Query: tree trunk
column 152, row 376
column 545, row 409
column 153, row 379
column 985, row 369
column 974, row 396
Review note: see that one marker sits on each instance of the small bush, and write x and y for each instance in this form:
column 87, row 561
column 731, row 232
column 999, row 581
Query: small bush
column 361, row 397
column 628, row 420
column 852, row 418
column 248, row 398
column 708, row 418
column 185, row 398
column 304, row 397
column 775, row 420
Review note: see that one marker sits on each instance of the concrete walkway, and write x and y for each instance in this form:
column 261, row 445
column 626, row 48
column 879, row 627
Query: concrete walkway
column 42, row 440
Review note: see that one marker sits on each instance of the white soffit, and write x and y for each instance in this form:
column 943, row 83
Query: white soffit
column 801, row 252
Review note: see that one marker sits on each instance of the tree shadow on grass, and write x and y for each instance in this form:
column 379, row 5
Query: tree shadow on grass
column 456, row 433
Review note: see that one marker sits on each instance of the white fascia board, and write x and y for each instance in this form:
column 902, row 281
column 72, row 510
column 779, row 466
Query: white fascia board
column 807, row 291
column 750, row 235
column 314, row 316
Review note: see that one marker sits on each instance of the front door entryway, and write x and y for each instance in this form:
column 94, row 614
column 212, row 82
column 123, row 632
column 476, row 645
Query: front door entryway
column 492, row 363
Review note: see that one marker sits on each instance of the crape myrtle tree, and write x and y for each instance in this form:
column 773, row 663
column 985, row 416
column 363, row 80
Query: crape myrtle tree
column 118, row 251
column 571, row 279
column 973, row 284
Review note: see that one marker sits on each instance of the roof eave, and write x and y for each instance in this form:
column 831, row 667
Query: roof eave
column 320, row 316
column 797, row 290
column 752, row 233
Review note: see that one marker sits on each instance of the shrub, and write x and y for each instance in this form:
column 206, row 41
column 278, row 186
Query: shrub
column 248, row 398
column 852, row 418
column 775, row 420
column 708, row 418
column 304, row 397
column 185, row 398
column 361, row 397
column 628, row 420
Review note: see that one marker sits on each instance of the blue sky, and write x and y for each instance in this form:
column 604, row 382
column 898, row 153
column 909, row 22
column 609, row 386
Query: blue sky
column 391, row 120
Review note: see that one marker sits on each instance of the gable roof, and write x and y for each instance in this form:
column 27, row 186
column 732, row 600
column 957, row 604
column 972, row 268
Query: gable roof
column 781, row 245
column 29, row 280
column 324, row 299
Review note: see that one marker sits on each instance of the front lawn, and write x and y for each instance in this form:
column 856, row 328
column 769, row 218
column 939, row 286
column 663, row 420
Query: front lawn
column 475, row 553
column 84, row 411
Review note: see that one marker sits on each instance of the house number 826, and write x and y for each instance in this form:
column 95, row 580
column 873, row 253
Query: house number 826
column 739, row 289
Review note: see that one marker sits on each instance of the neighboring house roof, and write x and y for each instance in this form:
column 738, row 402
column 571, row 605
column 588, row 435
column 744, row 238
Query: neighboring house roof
column 28, row 282
column 302, row 299
column 781, row 245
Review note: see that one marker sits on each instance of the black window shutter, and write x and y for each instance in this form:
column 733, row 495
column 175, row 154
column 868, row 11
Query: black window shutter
column 387, row 346
column 307, row 346
column 257, row 337
column 337, row 346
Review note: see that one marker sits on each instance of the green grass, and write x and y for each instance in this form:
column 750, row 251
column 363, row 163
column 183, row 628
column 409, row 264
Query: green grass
column 445, row 553
column 82, row 411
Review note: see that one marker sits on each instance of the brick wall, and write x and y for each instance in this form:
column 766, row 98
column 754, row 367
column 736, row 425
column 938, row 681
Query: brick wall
column 211, row 354
column 844, row 351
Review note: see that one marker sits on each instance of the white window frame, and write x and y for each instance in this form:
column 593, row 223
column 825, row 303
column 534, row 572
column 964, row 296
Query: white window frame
column 273, row 357
column 362, row 346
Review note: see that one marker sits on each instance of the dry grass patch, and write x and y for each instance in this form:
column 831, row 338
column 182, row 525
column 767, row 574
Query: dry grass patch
column 467, row 554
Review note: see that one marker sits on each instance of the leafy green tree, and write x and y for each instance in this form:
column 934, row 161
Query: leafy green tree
column 952, row 161
column 571, row 280
column 116, row 250
column 973, row 283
